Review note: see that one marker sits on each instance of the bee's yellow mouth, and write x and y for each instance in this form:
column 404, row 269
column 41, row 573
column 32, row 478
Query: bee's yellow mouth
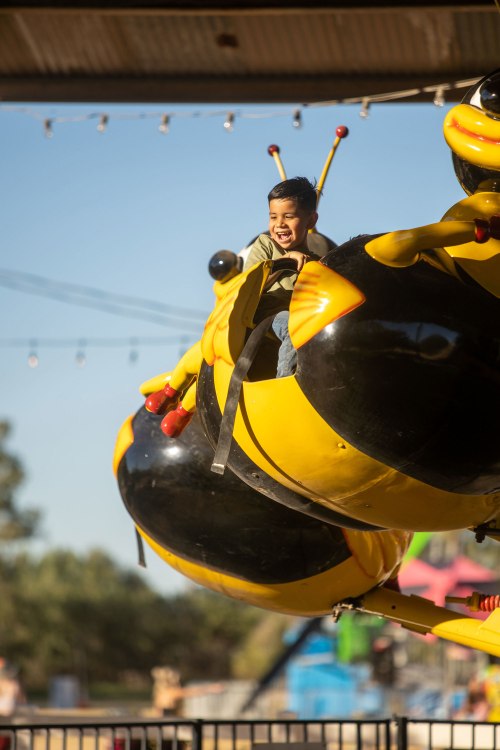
column 473, row 136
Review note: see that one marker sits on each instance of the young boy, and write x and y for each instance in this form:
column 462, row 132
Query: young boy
column 292, row 213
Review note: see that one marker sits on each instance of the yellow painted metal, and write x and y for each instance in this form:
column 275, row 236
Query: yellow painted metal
column 375, row 558
column 404, row 247
column 281, row 432
column 233, row 313
column 480, row 261
column 451, row 238
column 473, row 136
column 320, row 296
column 124, row 440
column 326, row 167
column 154, row 384
column 279, row 164
column 423, row 616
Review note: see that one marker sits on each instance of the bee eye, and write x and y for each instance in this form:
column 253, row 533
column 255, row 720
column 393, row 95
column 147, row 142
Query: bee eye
column 490, row 96
column 487, row 97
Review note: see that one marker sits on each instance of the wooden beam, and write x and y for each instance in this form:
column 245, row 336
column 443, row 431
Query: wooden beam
column 232, row 8
column 234, row 89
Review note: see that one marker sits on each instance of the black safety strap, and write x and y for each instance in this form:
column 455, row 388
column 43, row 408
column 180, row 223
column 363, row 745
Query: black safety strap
column 141, row 557
column 240, row 372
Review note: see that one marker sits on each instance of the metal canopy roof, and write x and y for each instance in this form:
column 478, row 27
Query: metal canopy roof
column 199, row 51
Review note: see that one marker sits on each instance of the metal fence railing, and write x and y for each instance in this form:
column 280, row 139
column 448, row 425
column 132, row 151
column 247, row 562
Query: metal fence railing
column 398, row 733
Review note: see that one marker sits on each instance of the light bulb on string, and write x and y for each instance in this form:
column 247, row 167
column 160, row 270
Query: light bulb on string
column 103, row 123
column 439, row 99
column 365, row 106
column 297, row 119
column 47, row 128
column 33, row 356
column 164, row 125
column 229, row 122
column 133, row 354
column 80, row 357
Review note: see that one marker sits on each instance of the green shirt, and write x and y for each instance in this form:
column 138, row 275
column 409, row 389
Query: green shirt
column 278, row 296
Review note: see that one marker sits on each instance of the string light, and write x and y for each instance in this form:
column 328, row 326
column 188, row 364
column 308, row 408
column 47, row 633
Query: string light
column 33, row 356
column 229, row 122
column 103, row 123
column 47, row 128
column 432, row 92
column 82, row 345
column 80, row 358
column 297, row 119
column 164, row 124
column 439, row 99
column 365, row 105
column 133, row 354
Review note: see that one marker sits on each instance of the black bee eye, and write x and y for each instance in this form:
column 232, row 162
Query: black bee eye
column 223, row 265
column 490, row 95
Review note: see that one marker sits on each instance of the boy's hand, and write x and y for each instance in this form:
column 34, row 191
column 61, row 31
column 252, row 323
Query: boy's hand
column 297, row 256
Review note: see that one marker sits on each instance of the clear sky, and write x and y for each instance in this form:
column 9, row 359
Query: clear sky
column 131, row 211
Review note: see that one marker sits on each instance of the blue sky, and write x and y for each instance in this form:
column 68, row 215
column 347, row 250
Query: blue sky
column 131, row 211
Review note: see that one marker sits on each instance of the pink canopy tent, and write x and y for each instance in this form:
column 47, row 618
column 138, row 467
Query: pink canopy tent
column 460, row 578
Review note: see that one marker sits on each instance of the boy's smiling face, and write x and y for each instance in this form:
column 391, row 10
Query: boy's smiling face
column 289, row 224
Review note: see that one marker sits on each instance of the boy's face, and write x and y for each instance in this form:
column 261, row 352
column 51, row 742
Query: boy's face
column 288, row 224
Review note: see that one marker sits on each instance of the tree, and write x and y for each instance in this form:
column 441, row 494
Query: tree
column 87, row 616
column 15, row 524
column 206, row 630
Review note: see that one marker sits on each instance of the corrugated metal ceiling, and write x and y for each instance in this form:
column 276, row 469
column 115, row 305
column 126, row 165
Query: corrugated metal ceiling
column 155, row 52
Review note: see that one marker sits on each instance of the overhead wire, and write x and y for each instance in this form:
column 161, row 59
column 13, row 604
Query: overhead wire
column 116, row 304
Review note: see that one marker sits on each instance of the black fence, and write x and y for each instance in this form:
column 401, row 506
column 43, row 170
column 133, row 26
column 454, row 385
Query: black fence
column 398, row 733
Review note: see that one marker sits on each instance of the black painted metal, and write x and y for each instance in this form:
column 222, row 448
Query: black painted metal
column 397, row 733
column 410, row 377
column 241, row 465
column 218, row 522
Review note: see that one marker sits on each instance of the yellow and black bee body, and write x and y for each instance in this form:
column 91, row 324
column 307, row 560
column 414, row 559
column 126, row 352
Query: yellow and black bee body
column 224, row 535
column 243, row 467
column 215, row 521
column 391, row 416
column 408, row 374
column 388, row 426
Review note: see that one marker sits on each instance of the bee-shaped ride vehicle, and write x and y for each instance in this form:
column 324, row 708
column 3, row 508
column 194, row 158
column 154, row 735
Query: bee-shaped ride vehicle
column 388, row 425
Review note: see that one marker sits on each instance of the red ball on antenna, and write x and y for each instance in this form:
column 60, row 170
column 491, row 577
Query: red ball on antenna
column 273, row 149
column 342, row 131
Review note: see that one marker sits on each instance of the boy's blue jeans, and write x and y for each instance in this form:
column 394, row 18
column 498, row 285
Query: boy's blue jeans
column 287, row 356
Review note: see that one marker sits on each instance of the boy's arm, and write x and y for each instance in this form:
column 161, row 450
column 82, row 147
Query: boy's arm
column 299, row 258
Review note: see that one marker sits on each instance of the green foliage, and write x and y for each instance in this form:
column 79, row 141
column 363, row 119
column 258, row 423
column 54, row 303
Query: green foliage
column 205, row 630
column 87, row 616
column 14, row 523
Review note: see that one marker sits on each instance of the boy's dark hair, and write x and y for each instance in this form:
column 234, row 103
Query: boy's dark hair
column 298, row 189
